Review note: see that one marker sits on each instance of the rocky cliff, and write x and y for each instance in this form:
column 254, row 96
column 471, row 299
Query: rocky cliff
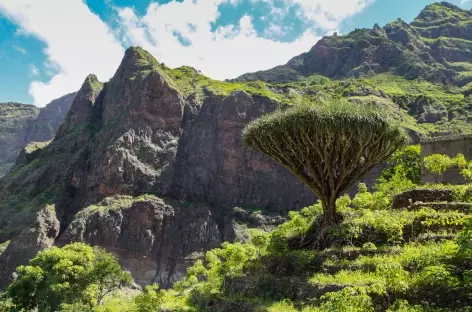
column 146, row 131
column 14, row 124
column 151, row 164
column 434, row 46
column 21, row 123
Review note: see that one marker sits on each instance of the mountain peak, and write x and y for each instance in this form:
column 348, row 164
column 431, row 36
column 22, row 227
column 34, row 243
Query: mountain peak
column 446, row 5
column 136, row 59
column 91, row 85
column 439, row 13
column 137, row 53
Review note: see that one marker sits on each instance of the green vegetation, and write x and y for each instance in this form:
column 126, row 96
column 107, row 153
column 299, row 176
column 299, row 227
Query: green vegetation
column 328, row 147
column 381, row 259
column 384, row 260
column 190, row 82
column 438, row 163
column 116, row 202
column 405, row 164
column 76, row 275
column 34, row 146
column 3, row 246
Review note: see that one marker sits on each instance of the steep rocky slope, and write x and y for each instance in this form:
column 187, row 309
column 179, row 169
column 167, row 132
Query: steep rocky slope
column 151, row 163
column 50, row 118
column 14, row 124
column 423, row 67
column 436, row 46
column 146, row 131
column 21, row 123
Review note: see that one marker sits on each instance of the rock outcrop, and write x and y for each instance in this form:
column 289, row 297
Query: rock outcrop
column 22, row 123
column 50, row 117
column 144, row 132
column 39, row 236
column 155, row 239
column 14, row 128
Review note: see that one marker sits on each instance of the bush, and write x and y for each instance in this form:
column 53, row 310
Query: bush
column 406, row 163
column 436, row 276
column 350, row 299
column 366, row 200
column 438, row 164
column 464, row 239
column 74, row 274
column 149, row 300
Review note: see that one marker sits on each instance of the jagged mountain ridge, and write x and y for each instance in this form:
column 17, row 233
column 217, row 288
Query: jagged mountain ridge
column 437, row 46
column 175, row 134
column 23, row 123
column 146, row 131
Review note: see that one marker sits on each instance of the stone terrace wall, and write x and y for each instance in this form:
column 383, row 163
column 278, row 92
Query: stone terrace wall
column 451, row 146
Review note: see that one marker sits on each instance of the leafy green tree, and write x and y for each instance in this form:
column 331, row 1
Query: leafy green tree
column 73, row 274
column 107, row 275
column 149, row 300
column 328, row 147
column 467, row 174
column 406, row 163
column 438, row 164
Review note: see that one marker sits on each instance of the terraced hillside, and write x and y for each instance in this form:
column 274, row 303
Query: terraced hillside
column 413, row 255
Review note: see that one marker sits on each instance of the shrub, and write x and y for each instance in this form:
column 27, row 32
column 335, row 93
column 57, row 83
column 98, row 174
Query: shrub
column 350, row 299
column 436, row 276
column 464, row 239
column 438, row 164
column 406, row 163
column 149, row 300
column 74, row 274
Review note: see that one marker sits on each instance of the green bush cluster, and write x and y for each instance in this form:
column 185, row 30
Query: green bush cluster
column 381, row 259
column 440, row 163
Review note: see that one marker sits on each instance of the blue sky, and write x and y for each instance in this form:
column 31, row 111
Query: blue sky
column 47, row 47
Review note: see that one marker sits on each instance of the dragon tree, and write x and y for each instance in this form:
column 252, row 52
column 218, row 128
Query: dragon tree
column 327, row 146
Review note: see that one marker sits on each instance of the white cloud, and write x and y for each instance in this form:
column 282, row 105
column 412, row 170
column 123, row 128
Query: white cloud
column 34, row 71
column 234, row 49
column 226, row 53
column 329, row 13
column 19, row 49
column 78, row 43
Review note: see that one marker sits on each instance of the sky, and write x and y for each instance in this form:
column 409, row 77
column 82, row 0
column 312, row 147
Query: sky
column 48, row 47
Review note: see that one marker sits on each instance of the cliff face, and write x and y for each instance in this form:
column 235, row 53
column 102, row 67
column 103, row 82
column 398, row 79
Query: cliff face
column 145, row 132
column 21, row 123
column 151, row 164
column 155, row 239
column 433, row 46
column 14, row 124
column 50, row 117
